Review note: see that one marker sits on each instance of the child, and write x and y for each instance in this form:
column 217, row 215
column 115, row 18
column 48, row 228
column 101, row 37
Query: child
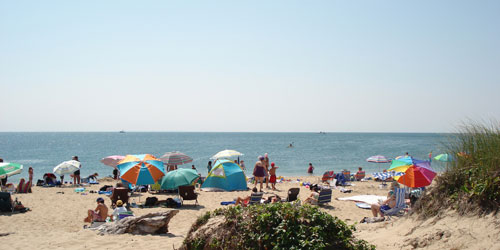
column 118, row 210
column 272, row 173
column 310, row 170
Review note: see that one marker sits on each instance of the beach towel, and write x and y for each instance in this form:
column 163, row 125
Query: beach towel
column 368, row 199
column 225, row 203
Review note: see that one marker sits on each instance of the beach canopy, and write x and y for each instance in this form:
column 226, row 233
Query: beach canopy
column 141, row 169
column 7, row 169
column 176, row 158
column 178, row 177
column 378, row 159
column 67, row 167
column 225, row 175
column 228, row 153
column 112, row 160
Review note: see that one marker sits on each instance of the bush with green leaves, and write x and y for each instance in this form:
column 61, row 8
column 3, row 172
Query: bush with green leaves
column 273, row 226
column 471, row 182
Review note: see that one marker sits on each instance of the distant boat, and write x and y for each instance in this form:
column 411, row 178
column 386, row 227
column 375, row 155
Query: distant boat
column 322, row 133
column 122, row 131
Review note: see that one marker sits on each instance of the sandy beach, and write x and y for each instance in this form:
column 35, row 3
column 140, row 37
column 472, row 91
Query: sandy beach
column 56, row 221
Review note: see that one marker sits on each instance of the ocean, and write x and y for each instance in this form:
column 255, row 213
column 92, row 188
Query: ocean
column 326, row 151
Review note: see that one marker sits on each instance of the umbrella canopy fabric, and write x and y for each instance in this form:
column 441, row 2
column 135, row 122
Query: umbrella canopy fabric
column 112, row 160
column 378, row 159
column 7, row 169
column 418, row 173
column 226, row 154
column 178, row 177
column 176, row 158
column 443, row 157
column 67, row 167
column 141, row 169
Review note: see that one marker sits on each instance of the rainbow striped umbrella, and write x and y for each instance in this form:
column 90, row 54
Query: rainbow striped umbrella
column 175, row 158
column 141, row 169
column 418, row 173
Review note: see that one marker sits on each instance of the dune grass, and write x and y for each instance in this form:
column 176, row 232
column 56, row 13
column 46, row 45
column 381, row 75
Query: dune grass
column 471, row 182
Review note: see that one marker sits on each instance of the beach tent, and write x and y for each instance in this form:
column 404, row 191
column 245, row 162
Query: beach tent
column 225, row 175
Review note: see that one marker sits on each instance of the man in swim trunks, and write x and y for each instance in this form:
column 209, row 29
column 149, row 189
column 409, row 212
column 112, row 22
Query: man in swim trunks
column 272, row 173
column 76, row 174
column 99, row 214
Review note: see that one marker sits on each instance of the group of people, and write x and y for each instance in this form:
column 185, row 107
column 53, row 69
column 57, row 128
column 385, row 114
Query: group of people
column 100, row 213
column 263, row 171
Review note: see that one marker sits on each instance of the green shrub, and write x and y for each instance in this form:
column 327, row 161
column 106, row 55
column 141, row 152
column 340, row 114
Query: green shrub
column 276, row 226
column 471, row 182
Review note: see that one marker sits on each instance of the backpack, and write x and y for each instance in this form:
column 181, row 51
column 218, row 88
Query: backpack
column 151, row 201
column 171, row 203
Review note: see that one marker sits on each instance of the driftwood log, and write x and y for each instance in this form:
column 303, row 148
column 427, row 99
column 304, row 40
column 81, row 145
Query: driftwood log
column 154, row 223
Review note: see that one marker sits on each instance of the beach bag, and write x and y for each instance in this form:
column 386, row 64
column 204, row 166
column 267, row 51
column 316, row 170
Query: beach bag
column 40, row 183
column 105, row 188
column 151, row 201
column 171, row 203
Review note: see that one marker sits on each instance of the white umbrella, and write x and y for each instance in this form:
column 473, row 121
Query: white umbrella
column 67, row 167
column 226, row 154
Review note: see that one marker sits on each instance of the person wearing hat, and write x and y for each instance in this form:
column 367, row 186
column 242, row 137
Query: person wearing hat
column 100, row 213
column 119, row 209
column 272, row 173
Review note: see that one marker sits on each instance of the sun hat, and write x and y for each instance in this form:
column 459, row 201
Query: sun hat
column 261, row 157
column 119, row 203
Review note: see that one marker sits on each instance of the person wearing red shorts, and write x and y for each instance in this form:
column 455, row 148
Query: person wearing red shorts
column 272, row 173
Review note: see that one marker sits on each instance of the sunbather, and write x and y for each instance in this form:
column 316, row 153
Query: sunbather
column 99, row 214
column 389, row 203
column 244, row 201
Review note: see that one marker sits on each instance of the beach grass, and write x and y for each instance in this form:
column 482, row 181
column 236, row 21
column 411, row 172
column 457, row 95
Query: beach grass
column 471, row 181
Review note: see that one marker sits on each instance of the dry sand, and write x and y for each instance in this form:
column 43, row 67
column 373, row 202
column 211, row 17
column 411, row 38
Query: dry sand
column 56, row 222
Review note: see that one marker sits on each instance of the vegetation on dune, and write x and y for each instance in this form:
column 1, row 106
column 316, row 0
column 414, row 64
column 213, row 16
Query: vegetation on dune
column 471, row 182
column 271, row 226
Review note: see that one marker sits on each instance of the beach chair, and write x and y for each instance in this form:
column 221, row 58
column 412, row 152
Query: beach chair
column 359, row 175
column 328, row 175
column 125, row 215
column 119, row 193
column 325, row 196
column 400, row 203
column 188, row 193
column 255, row 198
column 292, row 194
column 347, row 175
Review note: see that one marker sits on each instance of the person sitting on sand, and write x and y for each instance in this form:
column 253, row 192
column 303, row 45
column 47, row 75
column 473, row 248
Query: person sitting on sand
column 118, row 210
column 314, row 196
column 244, row 201
column 99, row 214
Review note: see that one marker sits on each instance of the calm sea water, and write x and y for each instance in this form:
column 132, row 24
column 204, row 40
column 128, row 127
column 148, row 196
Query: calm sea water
column 331, row 151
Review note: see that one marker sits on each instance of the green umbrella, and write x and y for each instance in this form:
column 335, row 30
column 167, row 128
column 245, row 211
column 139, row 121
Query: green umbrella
column 443, row 157
column 178, row 177
column 8, row 169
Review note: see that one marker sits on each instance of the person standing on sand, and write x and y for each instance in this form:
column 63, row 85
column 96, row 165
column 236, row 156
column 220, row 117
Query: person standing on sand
column 266, row 166
column 272, row 173
column 76, row 174
column 30, row 172
column 259, row 171
column 310, row 170
column 242, row 165
column 209, row 166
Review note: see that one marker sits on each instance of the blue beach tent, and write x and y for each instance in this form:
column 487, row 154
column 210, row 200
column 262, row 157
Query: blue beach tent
column 225, row 176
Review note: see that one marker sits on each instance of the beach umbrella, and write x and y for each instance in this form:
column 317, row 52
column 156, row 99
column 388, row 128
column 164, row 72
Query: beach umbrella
column 141, row 169
column 7, row 169
column 418, row 173
column 176, row 158
column 178, row 177
column 443, row 157
column 378, row 159
column 67, row 167
column 226, row 154
column 112, row 160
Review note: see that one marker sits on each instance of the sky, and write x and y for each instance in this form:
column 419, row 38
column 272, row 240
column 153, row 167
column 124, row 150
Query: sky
column 248, row 66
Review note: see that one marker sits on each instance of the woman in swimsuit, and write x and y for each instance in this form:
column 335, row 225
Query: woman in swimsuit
column 259, row 171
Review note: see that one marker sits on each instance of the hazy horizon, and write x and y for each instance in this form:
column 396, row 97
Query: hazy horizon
column 280, row 66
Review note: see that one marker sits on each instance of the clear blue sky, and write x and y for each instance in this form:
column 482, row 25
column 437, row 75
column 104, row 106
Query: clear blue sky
column 339, row 66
